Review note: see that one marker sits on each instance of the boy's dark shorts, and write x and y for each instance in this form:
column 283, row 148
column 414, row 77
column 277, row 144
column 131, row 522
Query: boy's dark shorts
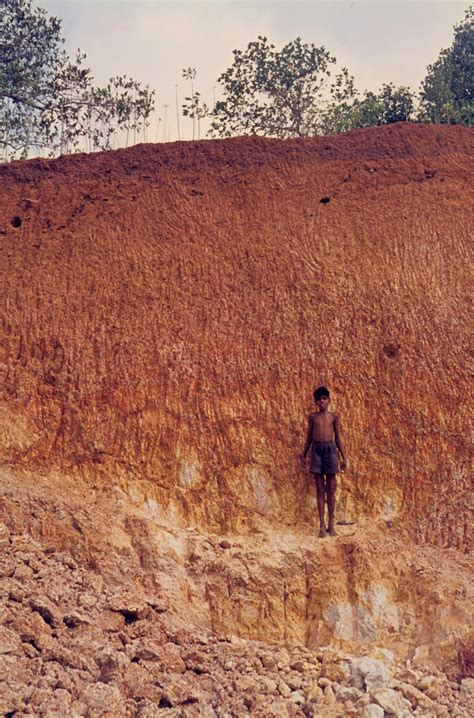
column 324, row 458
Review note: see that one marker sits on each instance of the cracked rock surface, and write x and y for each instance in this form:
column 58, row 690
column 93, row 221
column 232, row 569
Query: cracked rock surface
column 92, row 630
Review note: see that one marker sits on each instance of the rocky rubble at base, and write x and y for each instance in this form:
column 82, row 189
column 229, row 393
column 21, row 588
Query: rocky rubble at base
column 70, row 645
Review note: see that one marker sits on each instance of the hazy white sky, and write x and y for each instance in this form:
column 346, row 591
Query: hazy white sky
column 153, row 40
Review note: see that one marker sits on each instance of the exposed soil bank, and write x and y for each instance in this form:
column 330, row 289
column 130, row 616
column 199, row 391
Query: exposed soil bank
column 165, row 313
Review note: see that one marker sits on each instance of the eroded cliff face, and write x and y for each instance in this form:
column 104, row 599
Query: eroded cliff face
column 166, row 312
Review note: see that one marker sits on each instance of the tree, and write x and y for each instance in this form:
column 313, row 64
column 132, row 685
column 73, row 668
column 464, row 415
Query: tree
column 278, row 93
column 193, row 106
column 390, row 104
column 447, row 92
column 47, row 100
column 196, row 109
column 397, row 104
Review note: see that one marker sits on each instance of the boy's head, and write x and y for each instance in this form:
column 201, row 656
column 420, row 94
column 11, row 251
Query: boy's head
column 320, row 393
column 321, row 397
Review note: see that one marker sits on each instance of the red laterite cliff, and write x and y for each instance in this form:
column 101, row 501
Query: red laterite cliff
column 165, row 314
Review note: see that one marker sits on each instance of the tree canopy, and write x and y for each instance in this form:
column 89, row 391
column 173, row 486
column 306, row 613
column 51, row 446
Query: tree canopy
column 293, row 93
column 48, row 100
column 278, row 92
column 390, row 104
column 447, row 92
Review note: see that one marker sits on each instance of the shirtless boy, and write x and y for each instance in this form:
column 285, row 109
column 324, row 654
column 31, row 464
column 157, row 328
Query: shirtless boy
column 324, row 436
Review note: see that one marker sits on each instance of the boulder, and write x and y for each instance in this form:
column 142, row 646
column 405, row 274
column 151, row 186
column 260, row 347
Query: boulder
column 392, row 702
column 369, row 673
column 372, row 711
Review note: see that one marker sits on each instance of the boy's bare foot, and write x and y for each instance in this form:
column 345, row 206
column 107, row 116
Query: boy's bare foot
column 322, row 533
column 332, row 531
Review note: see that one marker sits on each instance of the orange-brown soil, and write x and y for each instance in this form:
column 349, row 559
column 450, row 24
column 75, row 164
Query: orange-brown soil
column 166, row 312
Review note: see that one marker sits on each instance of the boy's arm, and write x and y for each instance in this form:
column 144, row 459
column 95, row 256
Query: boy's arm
column 337, row 439
column 309, row 439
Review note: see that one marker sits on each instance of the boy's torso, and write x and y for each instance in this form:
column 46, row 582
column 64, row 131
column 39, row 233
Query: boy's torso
column 323, row 426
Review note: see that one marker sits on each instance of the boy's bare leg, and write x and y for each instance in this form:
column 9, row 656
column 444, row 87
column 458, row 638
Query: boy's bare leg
column 321, row 497
column 331, row 492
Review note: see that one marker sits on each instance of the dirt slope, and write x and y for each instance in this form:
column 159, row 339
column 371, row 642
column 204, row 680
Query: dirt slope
column 167, row 310
column 165, row 314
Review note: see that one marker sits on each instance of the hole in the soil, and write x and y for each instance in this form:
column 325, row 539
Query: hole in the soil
column 16, row 221
column 50, row 379
column 135, row 659
column 325, row 200
column 45, row 614
column 130, row 617
column 71, row 621
column 391, row 351
column 164, row 703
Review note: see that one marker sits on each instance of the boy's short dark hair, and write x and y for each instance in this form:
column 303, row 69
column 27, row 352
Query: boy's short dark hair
column 320, row 392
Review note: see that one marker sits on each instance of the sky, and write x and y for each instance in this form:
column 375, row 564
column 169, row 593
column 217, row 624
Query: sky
column 153, row 40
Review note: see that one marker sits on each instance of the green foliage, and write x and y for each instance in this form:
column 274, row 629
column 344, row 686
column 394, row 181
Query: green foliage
column 390, row 104
column 290, row 93
column 278, row 93
column 397, row 104
column 193, row 106
column 447, row 92
column 47, row 100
